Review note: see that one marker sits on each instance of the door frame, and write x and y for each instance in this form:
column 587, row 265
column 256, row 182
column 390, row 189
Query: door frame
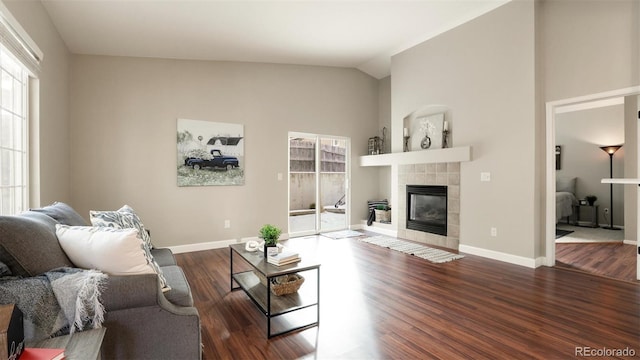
column 552, row 109
column 318, row 192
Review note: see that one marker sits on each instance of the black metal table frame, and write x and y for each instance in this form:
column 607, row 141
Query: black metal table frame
column 593, row 214
column 267, row 311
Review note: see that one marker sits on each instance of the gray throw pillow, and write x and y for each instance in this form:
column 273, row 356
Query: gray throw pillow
column 566, row 185
column 29, row 246
column 63, row 213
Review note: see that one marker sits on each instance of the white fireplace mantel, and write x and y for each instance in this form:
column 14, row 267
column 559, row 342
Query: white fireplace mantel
column 456, row 154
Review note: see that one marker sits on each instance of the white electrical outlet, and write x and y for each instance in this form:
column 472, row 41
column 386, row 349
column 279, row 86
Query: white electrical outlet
column 227, row 224
column 494, row 232
column 485, row 176
column 279, row 176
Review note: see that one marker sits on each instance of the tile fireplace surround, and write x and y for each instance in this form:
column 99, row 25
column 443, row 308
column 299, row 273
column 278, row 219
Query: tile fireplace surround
column 431, row 174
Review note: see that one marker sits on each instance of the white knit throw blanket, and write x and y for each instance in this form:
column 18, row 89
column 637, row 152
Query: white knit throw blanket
column 79, row 297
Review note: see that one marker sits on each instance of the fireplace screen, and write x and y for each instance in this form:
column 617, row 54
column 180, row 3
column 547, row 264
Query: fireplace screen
column 427, row 209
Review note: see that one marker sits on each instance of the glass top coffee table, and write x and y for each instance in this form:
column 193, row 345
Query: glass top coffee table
column 284, row 313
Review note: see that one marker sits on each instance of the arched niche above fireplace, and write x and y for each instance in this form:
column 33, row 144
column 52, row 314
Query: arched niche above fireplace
column 427, row 123
column 419, row 156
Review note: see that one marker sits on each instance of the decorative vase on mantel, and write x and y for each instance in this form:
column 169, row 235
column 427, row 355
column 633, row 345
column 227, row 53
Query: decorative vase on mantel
column 426, row 142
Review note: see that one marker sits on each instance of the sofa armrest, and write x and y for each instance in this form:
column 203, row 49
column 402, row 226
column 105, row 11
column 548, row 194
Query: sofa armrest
column 128, row 291
column 134, row 291
column 163, row 256
column 142, row 324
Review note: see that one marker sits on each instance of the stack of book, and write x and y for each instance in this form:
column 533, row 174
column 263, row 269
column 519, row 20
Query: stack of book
column 283, row 258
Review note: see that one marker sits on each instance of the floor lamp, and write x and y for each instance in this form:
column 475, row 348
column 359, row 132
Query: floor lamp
column 611, row 150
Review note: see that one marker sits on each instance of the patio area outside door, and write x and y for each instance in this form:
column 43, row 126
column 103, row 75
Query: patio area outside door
column 318, row 183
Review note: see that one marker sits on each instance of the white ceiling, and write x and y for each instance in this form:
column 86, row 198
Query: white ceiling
column 358, row 34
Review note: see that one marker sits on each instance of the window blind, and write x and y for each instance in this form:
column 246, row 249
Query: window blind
column 16, row 39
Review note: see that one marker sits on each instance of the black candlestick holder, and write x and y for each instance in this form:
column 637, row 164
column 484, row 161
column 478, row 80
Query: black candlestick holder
column 445, row 139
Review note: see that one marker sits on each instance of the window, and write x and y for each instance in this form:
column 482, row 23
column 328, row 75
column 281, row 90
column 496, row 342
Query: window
column 13, row 134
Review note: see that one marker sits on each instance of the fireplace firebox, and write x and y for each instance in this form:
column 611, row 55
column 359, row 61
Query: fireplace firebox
column 427, row 208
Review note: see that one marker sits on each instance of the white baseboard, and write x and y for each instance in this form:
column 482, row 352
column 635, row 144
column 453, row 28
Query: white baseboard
column 630, row 242
column 376, row 227
column 541, row 261
column 178, row 249
column 504, row 257
column 379, row 230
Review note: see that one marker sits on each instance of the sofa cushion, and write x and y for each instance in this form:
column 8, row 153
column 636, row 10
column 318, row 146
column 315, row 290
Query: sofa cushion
column 180, row 293
column 113, row 251
column 63, row 213
column 29, row 246
column 163, row 256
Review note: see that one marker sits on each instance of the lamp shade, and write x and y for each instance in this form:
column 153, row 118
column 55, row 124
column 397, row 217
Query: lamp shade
column 610, row 149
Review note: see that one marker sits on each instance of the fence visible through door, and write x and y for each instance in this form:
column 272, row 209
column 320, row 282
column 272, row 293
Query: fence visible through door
column 318, row 177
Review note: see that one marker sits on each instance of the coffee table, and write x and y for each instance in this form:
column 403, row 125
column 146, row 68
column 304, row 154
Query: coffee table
column 292, row 312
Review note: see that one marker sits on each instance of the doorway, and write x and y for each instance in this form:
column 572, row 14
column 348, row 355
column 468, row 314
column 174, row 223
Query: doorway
column 586, row 209
column 318, row 183
column 553, row 109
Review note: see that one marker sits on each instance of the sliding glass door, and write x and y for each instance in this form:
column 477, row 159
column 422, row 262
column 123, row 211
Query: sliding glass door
column 318, row 183
column 303, row 184
column 333, row 184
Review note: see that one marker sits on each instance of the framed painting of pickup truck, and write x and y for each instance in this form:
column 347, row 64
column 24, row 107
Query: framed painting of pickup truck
column 210, row 153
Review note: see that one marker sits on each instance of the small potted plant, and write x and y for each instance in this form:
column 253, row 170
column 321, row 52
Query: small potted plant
column 591, row 199
column 270, row 234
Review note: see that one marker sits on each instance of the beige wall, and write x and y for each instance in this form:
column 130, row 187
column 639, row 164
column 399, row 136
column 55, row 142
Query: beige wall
column 539, row 198
column 631, row 110
column 123, row 117
column 384, row 120
column 484, row 72
column 590, row 46
column 50, row 135
column 581, row 133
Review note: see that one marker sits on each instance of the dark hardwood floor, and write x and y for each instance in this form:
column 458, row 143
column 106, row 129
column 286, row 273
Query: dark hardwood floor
column 614, row 260
column 381, row 304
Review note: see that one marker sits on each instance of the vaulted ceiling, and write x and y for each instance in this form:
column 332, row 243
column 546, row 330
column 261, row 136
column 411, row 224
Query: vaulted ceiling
column 358, row 34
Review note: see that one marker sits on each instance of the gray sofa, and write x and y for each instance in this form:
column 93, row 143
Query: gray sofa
column 142, row 322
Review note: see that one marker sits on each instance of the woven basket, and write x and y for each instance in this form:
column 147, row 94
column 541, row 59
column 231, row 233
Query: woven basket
column 282, row 285
column 383, row 215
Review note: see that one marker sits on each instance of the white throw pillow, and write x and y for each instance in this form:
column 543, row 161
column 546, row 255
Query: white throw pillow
column 113, row 251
